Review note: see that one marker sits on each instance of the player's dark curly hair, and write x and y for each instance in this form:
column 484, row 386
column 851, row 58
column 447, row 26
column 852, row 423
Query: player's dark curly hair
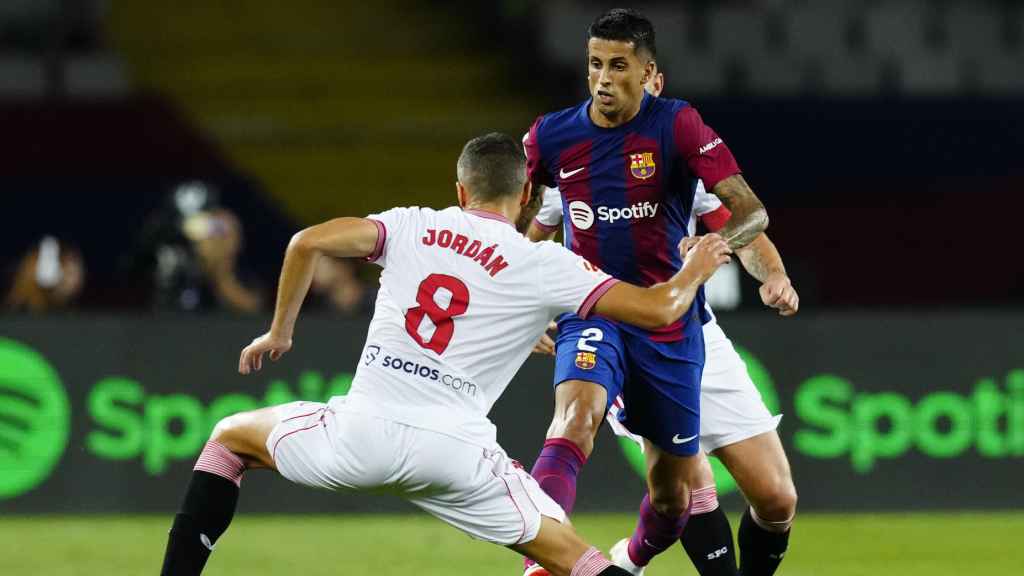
column 492, row 166
column 625, row 25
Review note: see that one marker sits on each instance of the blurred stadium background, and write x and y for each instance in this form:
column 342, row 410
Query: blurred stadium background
column 156, row 157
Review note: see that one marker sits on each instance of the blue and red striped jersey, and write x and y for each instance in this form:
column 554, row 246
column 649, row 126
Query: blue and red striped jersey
column 627, row 192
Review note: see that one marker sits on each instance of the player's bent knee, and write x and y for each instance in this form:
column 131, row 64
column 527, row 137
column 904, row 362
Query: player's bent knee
column 579, row 410
column 784, row 502
column 226, row 430
column 581, row 427
column 671, row 503
column 779, row 502
column 245, row 435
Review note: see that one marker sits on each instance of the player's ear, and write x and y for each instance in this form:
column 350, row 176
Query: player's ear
column 460, row 192
column 659, row 84
column 650, row 69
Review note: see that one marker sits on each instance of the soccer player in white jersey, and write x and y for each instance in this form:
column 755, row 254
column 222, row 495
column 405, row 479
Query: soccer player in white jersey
column 735, row 425
column 463, row 298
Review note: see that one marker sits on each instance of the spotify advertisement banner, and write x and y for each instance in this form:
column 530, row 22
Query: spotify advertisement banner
column 881, row 411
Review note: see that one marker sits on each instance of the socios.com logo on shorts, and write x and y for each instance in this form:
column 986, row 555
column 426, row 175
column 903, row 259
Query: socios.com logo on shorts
column 35, row 419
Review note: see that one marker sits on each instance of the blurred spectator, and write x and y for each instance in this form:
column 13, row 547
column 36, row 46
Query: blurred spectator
column 338, row 288
column 193, row 246
column 49, row 277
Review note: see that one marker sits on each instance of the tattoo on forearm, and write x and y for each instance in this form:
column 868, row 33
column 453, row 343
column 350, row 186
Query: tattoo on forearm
column 753, row 263
column 749, row 217
column 761, row 259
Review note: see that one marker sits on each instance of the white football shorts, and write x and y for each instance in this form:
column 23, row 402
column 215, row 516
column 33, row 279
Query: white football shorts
column 480, row 491
column 731, row 408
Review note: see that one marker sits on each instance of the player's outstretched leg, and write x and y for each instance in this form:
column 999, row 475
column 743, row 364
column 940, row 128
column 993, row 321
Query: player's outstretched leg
column 707, row 537
column 579, row 409
column 237, row 443
column 664, row 509
column 563, row 553
column 761, row 470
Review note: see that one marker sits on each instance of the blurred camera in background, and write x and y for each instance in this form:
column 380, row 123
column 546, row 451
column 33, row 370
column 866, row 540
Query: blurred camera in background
column 193, row 244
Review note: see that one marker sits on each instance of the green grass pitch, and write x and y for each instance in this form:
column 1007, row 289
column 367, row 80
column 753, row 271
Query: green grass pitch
column 822, row 544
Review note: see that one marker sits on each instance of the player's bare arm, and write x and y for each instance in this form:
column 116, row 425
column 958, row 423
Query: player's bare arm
column 536, row 233
column 762, row 260
column 749, row 218
column 663, row 304
column 340, row 238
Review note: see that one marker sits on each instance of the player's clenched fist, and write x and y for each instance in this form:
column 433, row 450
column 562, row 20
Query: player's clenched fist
column 778, row 292
column 252, row 355
column 704, row 254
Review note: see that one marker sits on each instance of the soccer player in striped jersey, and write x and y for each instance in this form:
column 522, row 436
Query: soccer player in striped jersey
column 628, row 166
column 735, row 425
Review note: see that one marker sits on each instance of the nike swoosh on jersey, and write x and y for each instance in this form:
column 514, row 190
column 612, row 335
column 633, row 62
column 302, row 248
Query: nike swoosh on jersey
column 677, row 440
column 563, row 174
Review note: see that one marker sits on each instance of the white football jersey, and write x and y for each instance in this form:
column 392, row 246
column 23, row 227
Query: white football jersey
column 463, row 299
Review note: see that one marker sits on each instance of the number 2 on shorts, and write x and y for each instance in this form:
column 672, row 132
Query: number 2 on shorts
column 444, row 326
column 587, row 336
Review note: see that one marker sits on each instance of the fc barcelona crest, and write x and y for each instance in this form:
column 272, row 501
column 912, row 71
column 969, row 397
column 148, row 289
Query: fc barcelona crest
column 586, row 360
column 642, row 165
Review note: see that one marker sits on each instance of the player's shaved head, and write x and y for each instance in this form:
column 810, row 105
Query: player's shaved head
column 625, row 25
column 492, row 166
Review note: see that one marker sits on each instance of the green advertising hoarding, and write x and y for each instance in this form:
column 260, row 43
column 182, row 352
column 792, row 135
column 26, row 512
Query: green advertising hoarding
column 885, row 411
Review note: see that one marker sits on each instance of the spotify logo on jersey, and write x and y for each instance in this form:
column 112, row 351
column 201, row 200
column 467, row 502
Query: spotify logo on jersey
column 581, row 215
column 34, row 419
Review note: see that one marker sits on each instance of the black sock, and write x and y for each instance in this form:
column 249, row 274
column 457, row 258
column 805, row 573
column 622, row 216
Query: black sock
column 205, row 514
column 707, row 540
column 761, row 551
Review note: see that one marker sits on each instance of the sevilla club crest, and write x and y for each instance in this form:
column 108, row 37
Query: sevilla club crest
column 642, row 165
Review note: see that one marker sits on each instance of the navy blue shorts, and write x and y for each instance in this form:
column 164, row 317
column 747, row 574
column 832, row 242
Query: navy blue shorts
column 659, row 381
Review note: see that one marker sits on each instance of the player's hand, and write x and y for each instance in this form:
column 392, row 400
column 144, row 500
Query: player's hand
column 546, row 345
column 251, row 359
column 686, row 243
column 705, row 254
column 778, row 292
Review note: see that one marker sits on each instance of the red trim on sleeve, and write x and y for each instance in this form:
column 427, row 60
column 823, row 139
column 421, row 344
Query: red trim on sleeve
column 382, row 236
column 594, row 296
column 716, row 219
column 545, row 227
